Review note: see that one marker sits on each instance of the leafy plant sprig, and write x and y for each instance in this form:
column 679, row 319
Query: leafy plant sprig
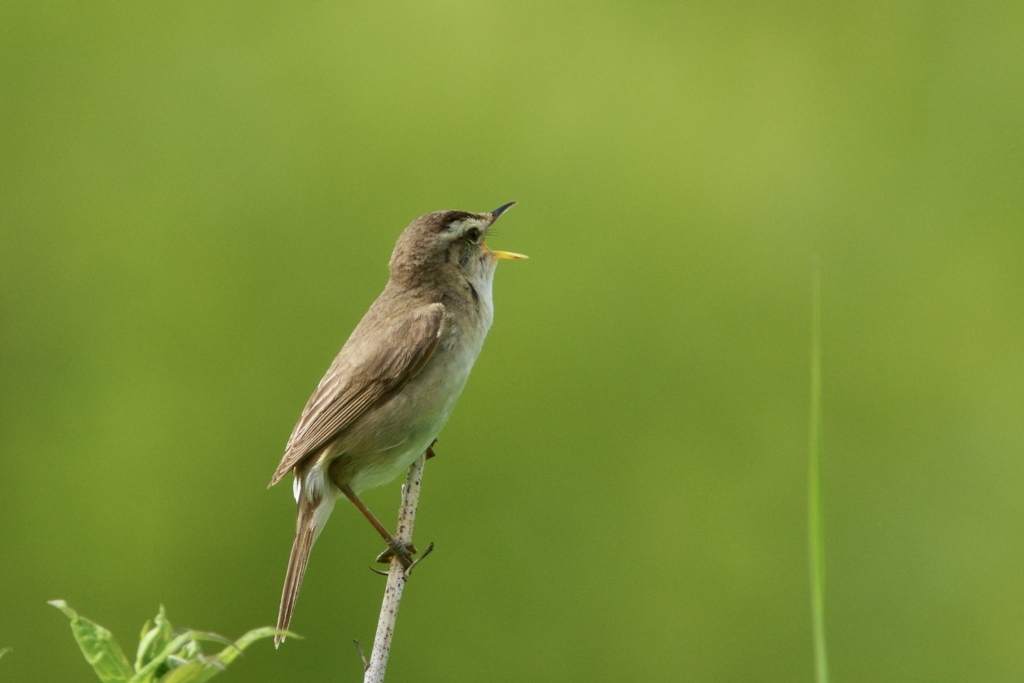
column 163, row 655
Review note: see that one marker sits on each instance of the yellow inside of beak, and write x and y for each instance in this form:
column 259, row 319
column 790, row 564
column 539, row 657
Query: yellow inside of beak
column 506, row 255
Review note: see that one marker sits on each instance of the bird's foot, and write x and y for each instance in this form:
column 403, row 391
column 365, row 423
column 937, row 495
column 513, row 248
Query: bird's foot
column 403, row 551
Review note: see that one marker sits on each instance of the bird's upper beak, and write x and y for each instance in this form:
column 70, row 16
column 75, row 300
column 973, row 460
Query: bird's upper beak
column 503, row 254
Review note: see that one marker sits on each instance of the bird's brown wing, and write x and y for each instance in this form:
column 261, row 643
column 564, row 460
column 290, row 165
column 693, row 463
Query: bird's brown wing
column 369, row 369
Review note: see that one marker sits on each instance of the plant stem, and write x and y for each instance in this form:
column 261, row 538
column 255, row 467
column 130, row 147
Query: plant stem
column 397, row 576
column 816, row 538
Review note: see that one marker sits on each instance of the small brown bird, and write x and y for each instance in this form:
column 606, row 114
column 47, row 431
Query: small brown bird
column 392, row 387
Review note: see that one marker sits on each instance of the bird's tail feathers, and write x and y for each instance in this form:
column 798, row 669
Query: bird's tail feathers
column 310, row 520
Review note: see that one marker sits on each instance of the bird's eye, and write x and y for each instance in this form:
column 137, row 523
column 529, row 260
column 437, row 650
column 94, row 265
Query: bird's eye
column 473, row 235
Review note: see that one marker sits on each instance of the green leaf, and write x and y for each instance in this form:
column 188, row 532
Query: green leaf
column 232, row 651
column 228, row 654
column 98, row 647
column 153, row 640
column 3, row 651
column 147, row 673
column 189, row 673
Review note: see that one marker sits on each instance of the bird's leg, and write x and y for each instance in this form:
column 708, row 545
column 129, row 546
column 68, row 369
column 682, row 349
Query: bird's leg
column 403, row 551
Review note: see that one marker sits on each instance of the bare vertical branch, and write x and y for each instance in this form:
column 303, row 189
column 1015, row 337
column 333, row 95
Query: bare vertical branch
column 397, row 576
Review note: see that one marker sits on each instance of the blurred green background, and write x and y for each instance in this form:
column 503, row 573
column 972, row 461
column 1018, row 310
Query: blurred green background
column 198, row 202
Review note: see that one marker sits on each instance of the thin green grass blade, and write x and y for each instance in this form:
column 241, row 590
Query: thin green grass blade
column 816, row 540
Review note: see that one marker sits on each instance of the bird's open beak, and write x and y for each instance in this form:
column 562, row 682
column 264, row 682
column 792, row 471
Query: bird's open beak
column 507, row 254
column 503, row 254
column 500, row 210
